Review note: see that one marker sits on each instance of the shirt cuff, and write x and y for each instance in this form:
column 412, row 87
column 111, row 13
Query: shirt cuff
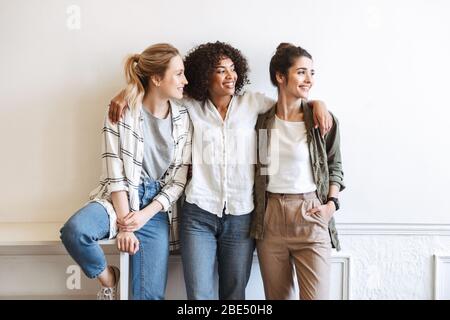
column 115, row 187
column 338, row 184
column 164, row 201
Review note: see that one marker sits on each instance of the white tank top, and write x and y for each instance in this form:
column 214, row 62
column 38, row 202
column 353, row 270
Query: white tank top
column 290, row 169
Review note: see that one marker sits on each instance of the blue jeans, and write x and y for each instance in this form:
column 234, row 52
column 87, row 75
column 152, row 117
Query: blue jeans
column 206, row 238
column 148, row 266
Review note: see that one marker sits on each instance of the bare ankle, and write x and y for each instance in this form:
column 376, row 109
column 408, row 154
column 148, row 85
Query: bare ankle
column 107, row 277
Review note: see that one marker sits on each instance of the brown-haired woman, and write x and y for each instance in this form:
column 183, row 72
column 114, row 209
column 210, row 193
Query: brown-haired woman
column 296, row 185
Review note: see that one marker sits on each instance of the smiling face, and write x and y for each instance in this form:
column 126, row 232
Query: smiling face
column 222, row 81
column 173, row 82
column 299, row 78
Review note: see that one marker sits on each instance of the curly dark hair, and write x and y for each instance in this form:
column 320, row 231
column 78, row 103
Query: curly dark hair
column 200, row 62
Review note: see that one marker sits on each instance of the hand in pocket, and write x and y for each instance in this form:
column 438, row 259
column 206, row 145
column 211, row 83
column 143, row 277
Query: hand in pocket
column 325, row 211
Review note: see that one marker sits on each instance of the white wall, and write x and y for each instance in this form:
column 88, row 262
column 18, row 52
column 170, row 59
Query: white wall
column 382, row 68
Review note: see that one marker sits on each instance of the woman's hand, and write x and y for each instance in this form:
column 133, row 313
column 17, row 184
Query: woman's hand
column 326, row 211
column 117, row 107
column 127, row 242
column 132, row 221
column 322, row 118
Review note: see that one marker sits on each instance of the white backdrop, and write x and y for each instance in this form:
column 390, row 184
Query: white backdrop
column 382, row 68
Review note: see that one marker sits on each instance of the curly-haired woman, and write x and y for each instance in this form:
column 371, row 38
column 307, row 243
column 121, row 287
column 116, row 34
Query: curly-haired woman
column 215, row 224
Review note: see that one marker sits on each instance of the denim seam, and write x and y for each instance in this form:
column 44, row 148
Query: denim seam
column 141, row 289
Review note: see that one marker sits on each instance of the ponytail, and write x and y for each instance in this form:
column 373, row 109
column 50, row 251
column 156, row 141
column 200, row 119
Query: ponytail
column 140, row 67
column 135, row 89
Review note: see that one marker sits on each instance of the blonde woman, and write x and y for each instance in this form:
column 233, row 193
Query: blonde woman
column 296, row 185
column 145, row 162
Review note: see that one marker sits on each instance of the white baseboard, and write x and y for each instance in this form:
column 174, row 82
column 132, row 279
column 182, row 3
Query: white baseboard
column 393, row 229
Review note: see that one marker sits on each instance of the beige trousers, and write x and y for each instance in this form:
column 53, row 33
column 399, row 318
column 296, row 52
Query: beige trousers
column 293, row 239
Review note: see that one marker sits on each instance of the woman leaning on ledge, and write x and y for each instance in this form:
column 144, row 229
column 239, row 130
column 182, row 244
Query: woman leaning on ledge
column 145, row 162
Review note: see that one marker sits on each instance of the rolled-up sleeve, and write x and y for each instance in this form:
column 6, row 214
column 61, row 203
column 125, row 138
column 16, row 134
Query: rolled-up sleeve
column 335, row 171
column 112, row 164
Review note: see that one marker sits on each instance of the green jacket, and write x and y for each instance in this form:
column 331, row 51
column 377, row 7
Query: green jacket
column 326, row 163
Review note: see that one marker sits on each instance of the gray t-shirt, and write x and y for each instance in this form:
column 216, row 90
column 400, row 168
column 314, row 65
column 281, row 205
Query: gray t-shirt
column 158, row 145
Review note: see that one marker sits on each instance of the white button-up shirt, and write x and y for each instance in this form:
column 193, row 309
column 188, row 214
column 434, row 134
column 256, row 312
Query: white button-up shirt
column 224, row 154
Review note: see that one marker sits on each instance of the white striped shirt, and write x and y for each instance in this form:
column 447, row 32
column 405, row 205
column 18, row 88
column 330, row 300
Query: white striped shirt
column 122, row 155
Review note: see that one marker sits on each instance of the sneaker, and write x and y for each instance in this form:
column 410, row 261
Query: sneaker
column 110, row 293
